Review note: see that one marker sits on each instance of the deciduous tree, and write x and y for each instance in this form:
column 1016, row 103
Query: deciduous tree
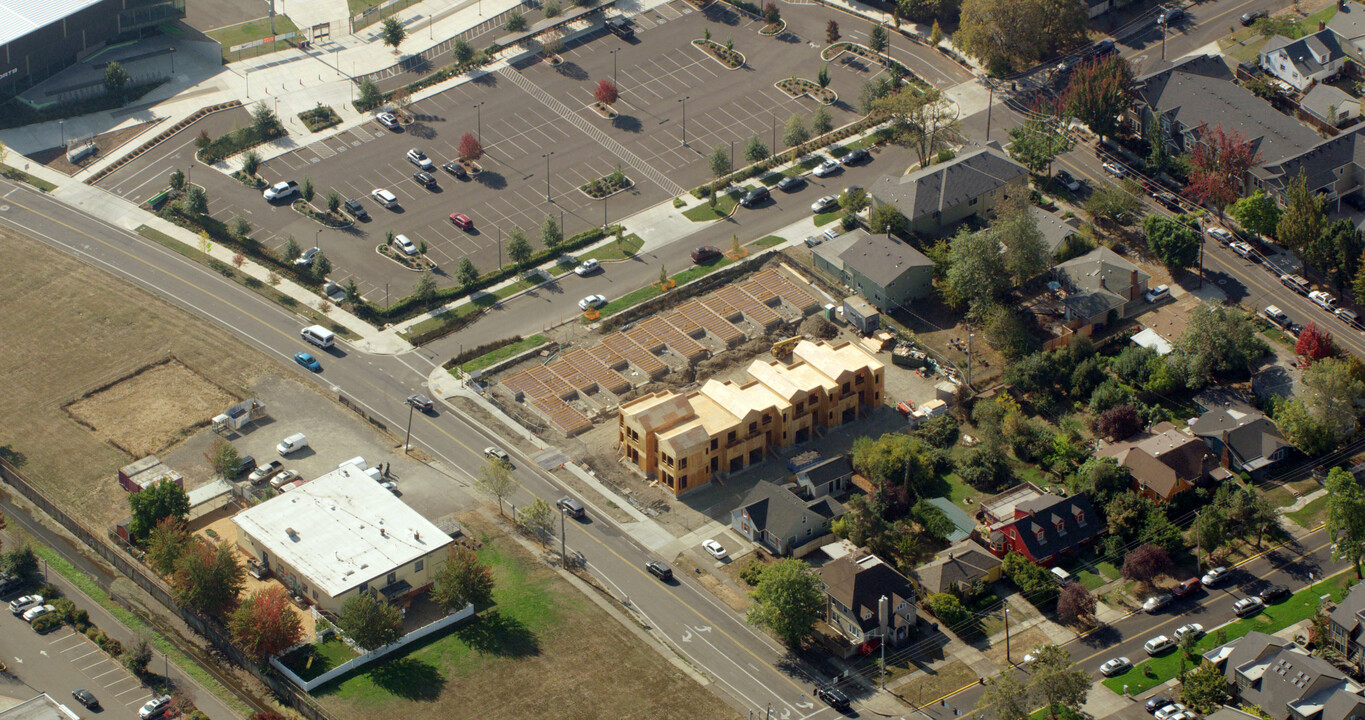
column 166, row 543
column 606, row 92
column 537, row 520
column 1075, row 603
column 1218, row 341
column 1113, row 203
column 1037, row 142
column 1055, row 682
column 1145, row 562
column 550, row 233
column 152, row 504
column 755, row 150
column 788, row 600
column 1218, row 166
column 263, row 120
column 470, row 148
column 1314, row 343
column 976, row 270
column 115, row 78
column 821, row 122
column 831, row 32
column 1257, row 213
column 719, row 161
column 465, row 273
column 771, row 14
column 947, row 608
column 496, row 479
column 1005, row 698
column 461, row 580
column 924, row 120
column 1173, row 242
column 1204, row 689
column 895, row 460
column 794, row 132
column 1303, row 219
column 877, row 39
column 265, row 624
column 392, row 32
column 1099, row 93
column 208, row 578
column 518, row 247
column 1026, row 253
column 1118, row 423
column 370, row 621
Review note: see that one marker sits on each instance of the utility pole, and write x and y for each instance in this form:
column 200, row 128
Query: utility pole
column 1007, row 636
column 969, row 376
column 774, row 126
column 407, row 440
column 989, row 104
column 563, row 553
column 1198, row 543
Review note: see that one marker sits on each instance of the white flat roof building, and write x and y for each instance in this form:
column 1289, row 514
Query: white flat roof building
column 339, row 532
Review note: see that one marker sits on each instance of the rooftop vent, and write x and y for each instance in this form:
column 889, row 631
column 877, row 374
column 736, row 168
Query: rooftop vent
column 292, row 533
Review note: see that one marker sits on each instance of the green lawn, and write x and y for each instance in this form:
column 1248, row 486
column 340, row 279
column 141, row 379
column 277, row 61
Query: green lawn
column 355, row 7
column 769, row 241
column 1279, row 496
column 17, row 174
column 638, row 296
column 957, row 491
column 725, row 204
column 1311, row 515
column 252, row 30
column 503, row 353
column 1270, row 620
column 826, row 218
column 324, row 657
column 631, row 244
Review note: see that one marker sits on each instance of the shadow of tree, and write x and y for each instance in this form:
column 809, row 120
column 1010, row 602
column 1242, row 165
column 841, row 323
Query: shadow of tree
column 491, row 180
column 493, row 633
column 628, row 123
column 571, row 70
column 409, row 678
column 721, row 14
column 488, row 79
column 422, row 130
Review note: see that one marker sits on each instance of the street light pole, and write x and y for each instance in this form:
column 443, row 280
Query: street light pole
column 547, row 175
column 989, row 104
column 1007, row 636
column 62, row 126
column 407, row 440
column 317, row 239
column 683, row 100
column 613, row 70
column 774, row 127
column 478, row 110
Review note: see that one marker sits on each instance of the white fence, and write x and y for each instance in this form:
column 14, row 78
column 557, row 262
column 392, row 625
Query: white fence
column 342, row 669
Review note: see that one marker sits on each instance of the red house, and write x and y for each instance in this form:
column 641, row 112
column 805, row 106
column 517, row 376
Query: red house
column 1038, row 525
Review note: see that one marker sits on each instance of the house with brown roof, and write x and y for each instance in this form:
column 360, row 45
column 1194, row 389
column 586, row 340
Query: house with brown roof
column 962, row 570
column 867, row 600
column 1164, row 461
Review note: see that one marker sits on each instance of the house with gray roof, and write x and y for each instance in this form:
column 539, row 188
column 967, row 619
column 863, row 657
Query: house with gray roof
column 1330, row 105
column 1346, row 627
column 827, row 477
column 1098, row 283
column 776, row 518
column 1349, row 27
column 1054, row 229
column 855, row 588
column 962, row 570
column 938, row 197
column 1305, row 61
column 1242, row 438
column 1284, row 681
column 886, row 272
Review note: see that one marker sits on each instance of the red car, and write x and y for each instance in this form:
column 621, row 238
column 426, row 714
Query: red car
column 462, row 221
column 1186, row 587
column 705, row 253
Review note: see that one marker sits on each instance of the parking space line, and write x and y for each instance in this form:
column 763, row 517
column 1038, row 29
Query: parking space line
column 106, row 672
column 121, row 680
column 86, row 655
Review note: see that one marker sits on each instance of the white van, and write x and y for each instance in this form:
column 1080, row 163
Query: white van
column 293, row 443
column 318, row 335
column 1063, row 577
column 357, row 461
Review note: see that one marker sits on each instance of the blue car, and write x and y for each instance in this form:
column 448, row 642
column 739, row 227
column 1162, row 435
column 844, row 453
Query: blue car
column 308, row 361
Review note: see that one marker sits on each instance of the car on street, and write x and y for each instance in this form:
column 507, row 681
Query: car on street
column 571, row 507
column 824, row 204
column 425, row 179
column 265, row 472
column 420, row 159
column 1244, row 250
column 826, row 168
column 1349, row 317
column 1194, row 630
column 1323, row 300
column 1104, row 47
column 1158, row 645
column 384, row 197
column 86, row 698
column 1247, row 606
column 790, row 183
column 461, row 221
column 493, row 452
column 714, row 549
column 306, row 258
column 308, row 361
column 1158, row 293
column 592, row 301
column 1170, row 15
column 857, row 157
column 1064, row 66
column 705, row 253
column 284, row 478
column 1250, row 17
column 404, row 244
column 1156, row 703
column 1169, row 710
column 659, row 570
column 280, row 190
column 1156, row 602
column 587, row 267
column 754, row 197
column 154, row 707
column 1274, row 594
column 1033, row 656
column 455, row 169
column 356, row 210
column 1222, row 235
column 1114, row 666
column 387, row 120
column 832, row 696
column 20, row 606
column 1169, row 201
column 420, row 402
column 34, row 613
column 1065, row 179
column 1186, row 587
column 1114, row 169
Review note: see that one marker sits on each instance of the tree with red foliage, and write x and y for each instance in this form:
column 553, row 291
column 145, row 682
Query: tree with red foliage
column 208, row 578
column 1314, row 344
column 267, row 716
column 1075, row 603
column 470, row 148
column 1117, row 423
column 1099, row 93
column 606, row 92
column 1145, row 562
column 265, row 624
column 1219, row 165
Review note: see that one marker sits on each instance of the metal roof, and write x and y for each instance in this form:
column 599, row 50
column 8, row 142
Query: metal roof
column 21, row 17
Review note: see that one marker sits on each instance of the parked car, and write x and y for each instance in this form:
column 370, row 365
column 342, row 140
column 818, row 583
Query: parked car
column 1274, row 594
column 592, row 301
column 356, row 210
column 826, row 168
column 265, row 472
column 384, row 197
column 587, row 267
column 790, row 183
column 420, row 402
column 86, row 698
column 494, row 452
column 832, row 696
column 1157, row 702
column 1168, row 16
column 420, row 159
column 154, row 707
column 1104, row 47
column 245, row 463
column 404, row 244
column 1169, row 710
column 857, row 157
column 9, row 583
column 1186, row 587
column 714, row 549
column 754, row 197
column 306, row 258
column 1279, row 318
column 34, row 613
column 284, row 478
column 1114, row 169
column 1214, row 576
column 425, row 179
column 22, row 605
column 280, row 190
column 1115, row 666
column 1169, row 201
column 620, row 27
column 388, row 120
column 1156, row 602
column 1158, row 645
column 705, row 253
column 1065, row 179
column 1244, row 250
column 659, row 570
column 1250, row 17
column 1247, row 606
column 824, row 204
column 292, row 444
column 1194, row 630
column 461, row 221
column 1349, row 317
column 1158, row 293
column 1222, row 235
column 456, row 169
column 1323, row 300
column 308, row 361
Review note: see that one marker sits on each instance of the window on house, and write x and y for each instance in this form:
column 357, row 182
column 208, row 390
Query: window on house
column 682, row 481
column 682, row 464
column 801, row 406
column 848, row 387
column 973, row 201
column 1080, row 518
column 391, row 579
column 730, row 437
column 858, row 380
column 364, row 586
column 1040, row 534
column 417, row 566
column 767, row 419
column 1061, row 528
column 715, row 443
column 753, row 428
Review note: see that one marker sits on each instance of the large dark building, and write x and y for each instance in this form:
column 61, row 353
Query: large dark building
column 39, row 38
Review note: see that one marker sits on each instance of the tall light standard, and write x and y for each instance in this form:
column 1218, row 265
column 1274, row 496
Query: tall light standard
column 683, row 100
column 61, row 126
column 317, row 239
column 613, row 70
column 547, row 175
column 408, row 439
column 478, row 111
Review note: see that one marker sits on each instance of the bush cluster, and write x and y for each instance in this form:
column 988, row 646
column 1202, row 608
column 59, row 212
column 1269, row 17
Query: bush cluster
column 238, row 140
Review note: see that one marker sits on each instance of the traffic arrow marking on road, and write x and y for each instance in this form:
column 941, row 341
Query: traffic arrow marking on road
column 786, row 714
column 805, row 705
column 18, row 660
column 703, row 628
column 43, row 653
column 687, row 635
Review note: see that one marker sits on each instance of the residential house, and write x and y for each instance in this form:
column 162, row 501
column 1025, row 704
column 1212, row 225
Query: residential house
column 866, row 600
column 1305, row 61
column 1101, row 286
column 1284, row 681
column 962, row 570
column 1040, row 526
column 776, row 518
column 1330, row 106
column 827, row 477
column 1348, row 25
column 1347, row 627
column 726, row 427
column 1055, row 230
column 1242, row 439
column 887, row 273
column 1164, row 461
column 938, row 197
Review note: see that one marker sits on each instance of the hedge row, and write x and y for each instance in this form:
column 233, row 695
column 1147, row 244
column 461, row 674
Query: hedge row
column 427, row 81
column 239, row 140
column 787, row 156
column 218, row 232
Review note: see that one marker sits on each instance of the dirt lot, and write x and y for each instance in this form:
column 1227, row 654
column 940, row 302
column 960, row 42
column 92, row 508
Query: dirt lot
column 542, row 650
column 72, row 330
column 110, row 143
column 151, row 409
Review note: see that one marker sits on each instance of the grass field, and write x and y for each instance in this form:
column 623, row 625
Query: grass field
column 17, row 174
column 636, row 297
column 542, row 650
column 324, row 657
column 725, row 204
column 503, row 353
column 81, row 329
column 769, row 241
column 631, row 244
column 234, row 35
column 825, row 218
column 1310, row 515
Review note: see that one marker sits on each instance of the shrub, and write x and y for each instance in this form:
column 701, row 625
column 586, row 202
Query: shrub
column 47, row 622
column 752, row 573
